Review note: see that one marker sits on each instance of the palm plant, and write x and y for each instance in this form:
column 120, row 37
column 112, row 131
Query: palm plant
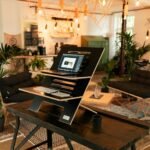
column 6, row 52
column 132, row 52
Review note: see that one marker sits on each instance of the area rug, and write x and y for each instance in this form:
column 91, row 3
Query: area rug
column 58, row 141
column 7, row 134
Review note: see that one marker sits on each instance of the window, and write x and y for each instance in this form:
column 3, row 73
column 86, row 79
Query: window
column 118, row 25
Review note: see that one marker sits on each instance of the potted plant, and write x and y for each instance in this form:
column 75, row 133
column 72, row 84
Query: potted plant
column 132, row 52
column 109, row 66
column 37, row 63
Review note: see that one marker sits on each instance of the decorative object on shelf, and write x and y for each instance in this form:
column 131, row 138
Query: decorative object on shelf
column 63, row 27
column 11, row 39
column 37, row 63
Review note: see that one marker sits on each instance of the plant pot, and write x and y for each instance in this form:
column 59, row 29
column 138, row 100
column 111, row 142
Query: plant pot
column 105, row 90
column 2, row 121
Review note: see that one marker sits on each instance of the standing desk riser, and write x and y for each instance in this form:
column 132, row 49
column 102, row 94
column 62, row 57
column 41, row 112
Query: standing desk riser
column 75, row 85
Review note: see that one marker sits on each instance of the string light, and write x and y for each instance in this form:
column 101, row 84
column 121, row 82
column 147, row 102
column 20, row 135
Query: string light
column 76, row 15
column 61, row 3
column 85, row 11
column 78, row 27
column 55, row 26
column 103, row 2
column 137, row 3
column 39, row 7
column 71, row 28
column 147, row 35
column 46, row 26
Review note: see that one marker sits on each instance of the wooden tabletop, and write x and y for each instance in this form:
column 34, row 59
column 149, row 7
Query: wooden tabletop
column 114, row 134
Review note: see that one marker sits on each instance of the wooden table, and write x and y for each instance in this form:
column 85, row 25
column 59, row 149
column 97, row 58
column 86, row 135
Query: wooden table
column 115, row 133
column 104, row 99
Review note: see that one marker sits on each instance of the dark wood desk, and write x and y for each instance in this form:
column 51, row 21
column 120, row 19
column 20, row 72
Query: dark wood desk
column 115, row 134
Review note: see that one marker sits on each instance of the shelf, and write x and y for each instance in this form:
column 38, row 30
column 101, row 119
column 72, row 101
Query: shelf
column 32, row 91
column 39, row 56
column 62, row 77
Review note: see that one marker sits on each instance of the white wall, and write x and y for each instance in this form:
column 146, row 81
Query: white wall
column 1, row 22
column 10, row 17
column 16, row 15
column 141, row 25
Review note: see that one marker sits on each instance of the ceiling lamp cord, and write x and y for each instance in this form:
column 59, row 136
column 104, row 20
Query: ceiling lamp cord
column 85, row 11
column 76, row 15
column 61, row 3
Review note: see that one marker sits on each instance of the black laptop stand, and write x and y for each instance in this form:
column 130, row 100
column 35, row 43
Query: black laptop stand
column 75, row 85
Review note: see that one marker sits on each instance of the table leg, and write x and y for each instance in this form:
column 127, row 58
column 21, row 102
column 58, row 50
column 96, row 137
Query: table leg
column 15, row 133
column 49, row 139
column 27, row 137
column 68, row 143
column 133, row 147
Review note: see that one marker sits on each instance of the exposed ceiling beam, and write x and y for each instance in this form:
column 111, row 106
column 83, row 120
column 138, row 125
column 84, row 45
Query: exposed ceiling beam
column 58, row 9
column 70, row 10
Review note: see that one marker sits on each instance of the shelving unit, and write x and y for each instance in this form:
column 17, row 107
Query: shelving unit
column 74, row 85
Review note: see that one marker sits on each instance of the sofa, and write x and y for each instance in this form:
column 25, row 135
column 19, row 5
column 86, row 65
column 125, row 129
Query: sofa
column 9, row 87
column 138, row 86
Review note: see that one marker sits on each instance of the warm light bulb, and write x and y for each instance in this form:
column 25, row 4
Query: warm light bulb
column 76, row 20
column 78, row 28
column 62, row 11
column 103, row 2
column 55, row 26
column 147, row 35
column 137, row 3
column 40, row 12
column 85, row 17
column 46, row 26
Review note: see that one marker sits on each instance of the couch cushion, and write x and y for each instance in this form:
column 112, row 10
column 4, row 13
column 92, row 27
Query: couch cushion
column 137, row 89
column 26, row 83
column 19, row 97
column 141, row 76
column 8, row 91
column 15, row 79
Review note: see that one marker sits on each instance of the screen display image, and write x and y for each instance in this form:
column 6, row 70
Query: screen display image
column 68, row 62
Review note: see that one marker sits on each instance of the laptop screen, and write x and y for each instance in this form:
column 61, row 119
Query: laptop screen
column 70, row 62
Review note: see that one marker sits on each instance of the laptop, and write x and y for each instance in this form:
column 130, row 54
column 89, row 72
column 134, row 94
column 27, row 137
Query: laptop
column 69, row 64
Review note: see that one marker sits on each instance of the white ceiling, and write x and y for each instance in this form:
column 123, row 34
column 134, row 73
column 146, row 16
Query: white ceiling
column 94, row 5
